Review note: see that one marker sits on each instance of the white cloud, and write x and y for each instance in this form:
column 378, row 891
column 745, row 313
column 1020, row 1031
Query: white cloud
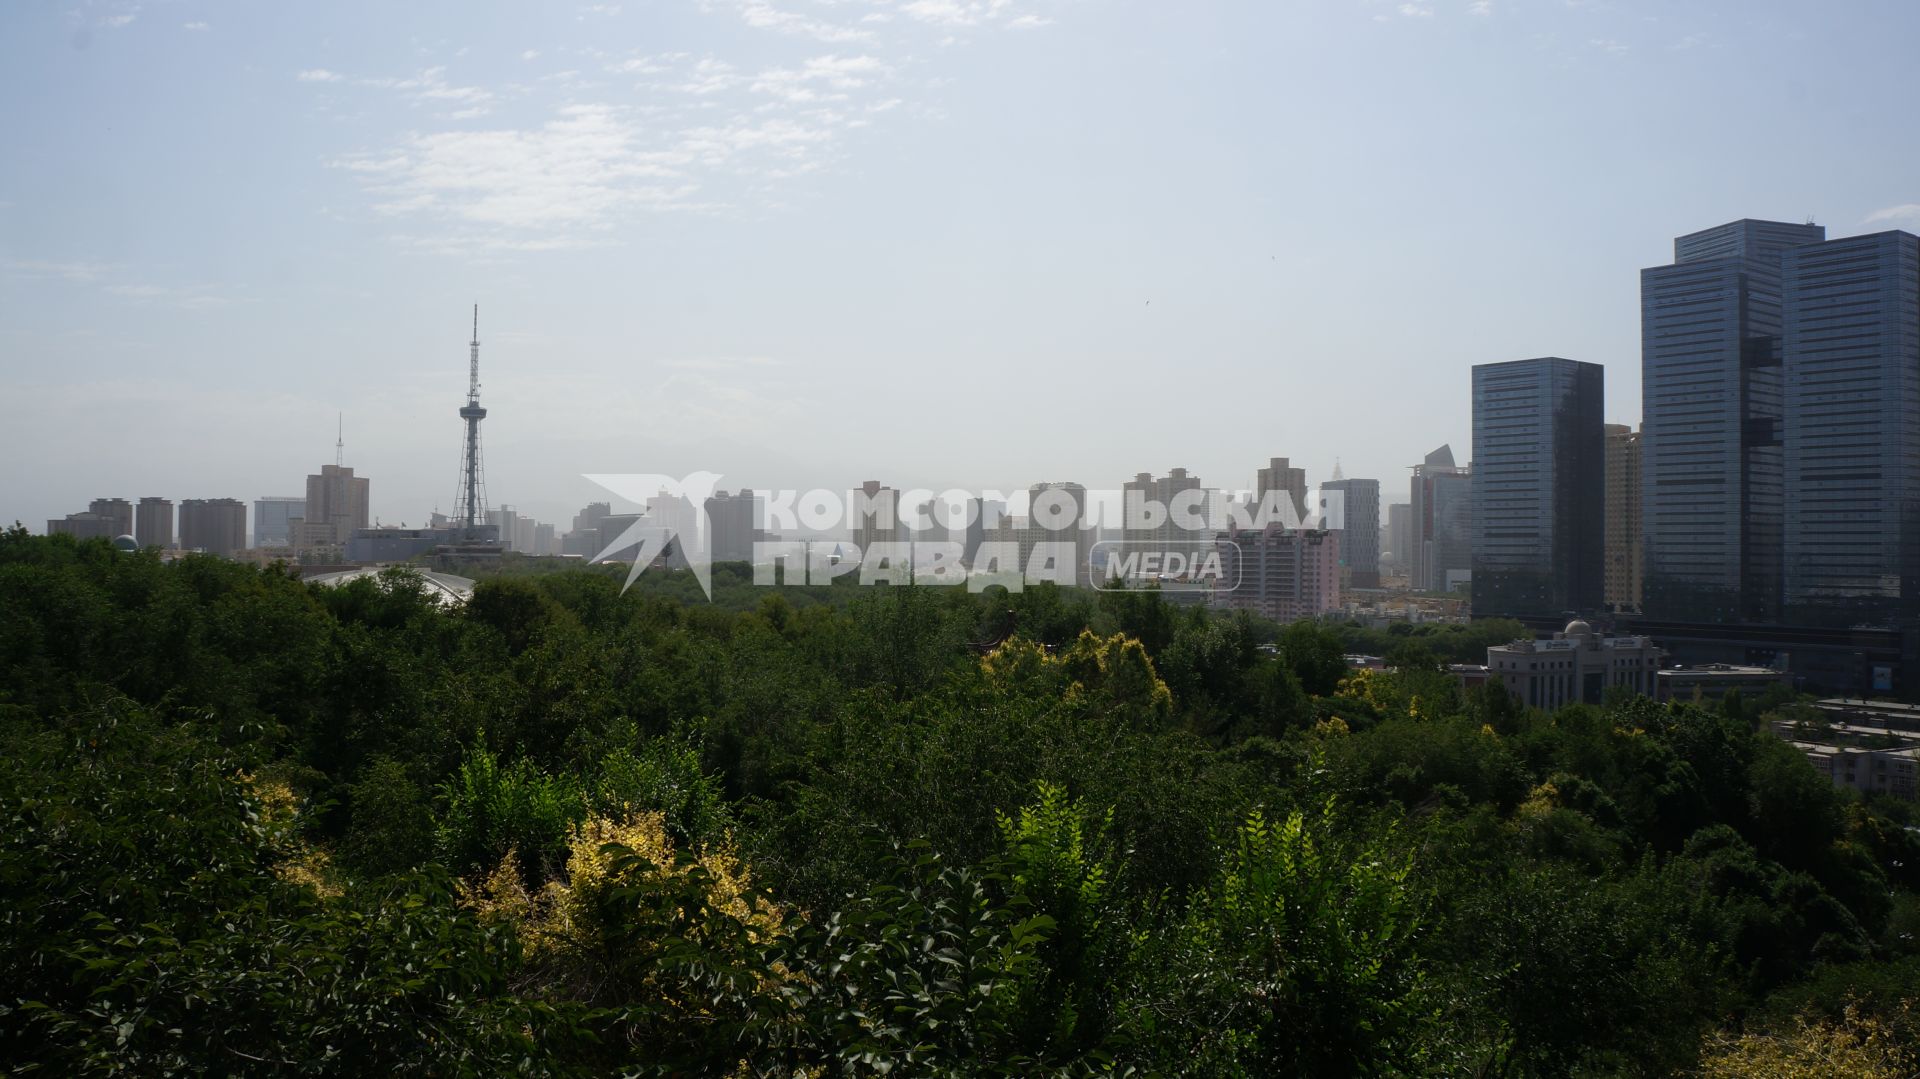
column 1482, row 8
column 79, row 273
column 530, row 54
column 115, row 22
column 1029, row 22
column 576, row 171
column 110, row 278
column 318, row 74
column 196, row 25
column 764, row 16
column 1906, row 211
column 1416, row 11
column 431, row 86
column 1608, row 45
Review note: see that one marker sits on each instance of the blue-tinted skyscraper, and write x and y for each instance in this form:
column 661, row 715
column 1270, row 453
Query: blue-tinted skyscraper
column 1711, row 455
column 1539, row 487
column 1852, row 430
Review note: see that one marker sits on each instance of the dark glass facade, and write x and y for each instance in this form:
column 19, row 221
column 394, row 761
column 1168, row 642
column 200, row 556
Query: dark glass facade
column 1852, row 431
column 1712, row 457
column 1539, row 487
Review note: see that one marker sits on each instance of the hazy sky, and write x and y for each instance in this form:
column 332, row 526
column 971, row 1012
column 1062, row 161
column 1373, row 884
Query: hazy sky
column 810, row 242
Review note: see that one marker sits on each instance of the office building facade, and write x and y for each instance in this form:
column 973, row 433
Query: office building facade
column 1440, row 528
column 1624, row 565
column 1852, row 431
column 273, row 519
column 339, row 500
column 1539, row 472
column 1360, row 531
column 1712, row 476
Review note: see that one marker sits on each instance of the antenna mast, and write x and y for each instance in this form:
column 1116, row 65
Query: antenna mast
column 340, row 440
column 470, row 503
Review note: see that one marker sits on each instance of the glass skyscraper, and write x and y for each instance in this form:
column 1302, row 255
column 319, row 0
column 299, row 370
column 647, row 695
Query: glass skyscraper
column 1539, row 487
column 1852, row 430
column 1712, row 410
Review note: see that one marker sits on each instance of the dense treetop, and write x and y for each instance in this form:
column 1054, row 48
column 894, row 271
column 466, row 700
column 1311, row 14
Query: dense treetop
column 252, row 826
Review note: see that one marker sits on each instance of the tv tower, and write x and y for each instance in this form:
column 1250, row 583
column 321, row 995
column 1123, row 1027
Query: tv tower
column 470, row 504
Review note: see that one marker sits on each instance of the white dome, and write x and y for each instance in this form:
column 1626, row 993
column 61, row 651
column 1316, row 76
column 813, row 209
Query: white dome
column 1578, row 628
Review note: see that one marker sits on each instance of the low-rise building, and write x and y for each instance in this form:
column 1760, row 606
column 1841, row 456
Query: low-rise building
column 1576, row 666
column 1712, row 681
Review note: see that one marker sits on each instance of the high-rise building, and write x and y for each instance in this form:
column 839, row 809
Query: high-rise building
column 337, row 499
column 1285, row 574
column 1360, row 534
column 1539, row 487
column 1439, row 531
column 1852, row 431
column 876, row 515
column 153, row 522
column 1145, row 533
column 1400, row 536
column 1280, row 475
column 733, row 525
column 1623, row 557
column 1710, row 448
column 583, row 538
column 273, row 518
column 1057, row 513
column 214, row 525
column 118, row 511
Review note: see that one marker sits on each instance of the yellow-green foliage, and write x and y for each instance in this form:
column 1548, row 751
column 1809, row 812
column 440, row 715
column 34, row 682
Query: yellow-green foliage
column 279, row 809
column 565, row 916
column 1114, row 673
column 1856, row 1047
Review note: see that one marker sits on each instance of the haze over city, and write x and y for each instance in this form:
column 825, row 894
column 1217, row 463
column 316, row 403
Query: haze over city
column 947, row 244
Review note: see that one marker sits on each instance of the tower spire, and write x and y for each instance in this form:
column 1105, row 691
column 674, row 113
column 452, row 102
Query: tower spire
column 340, row 440
column 470, row 503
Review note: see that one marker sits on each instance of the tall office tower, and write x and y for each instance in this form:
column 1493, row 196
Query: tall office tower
column 337, row 500
column 876, row 509
column 1439, row 529
column 1280, row 475
column 962, row 522
column 504, row 520
column 1057, row 513
column 1400, row 536
column 1539, row 487
column 523, row 531
column 1360, row 536
column 1285, row 574
column 1145, row 533
column 273, row 517
column 1710, row 454
column 733, row 525
column 584, row 537
column 117, row 510
column 214, row 525
column 1624, row 566
column 545, row 539
column 1852, row 538
column 153, row 522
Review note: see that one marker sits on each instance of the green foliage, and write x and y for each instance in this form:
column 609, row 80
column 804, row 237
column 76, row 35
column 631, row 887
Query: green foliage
column 490, row 810
column 251, row 826
column 1299, row 958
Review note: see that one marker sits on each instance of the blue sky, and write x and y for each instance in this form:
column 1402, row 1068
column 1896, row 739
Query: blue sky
column 969, row 243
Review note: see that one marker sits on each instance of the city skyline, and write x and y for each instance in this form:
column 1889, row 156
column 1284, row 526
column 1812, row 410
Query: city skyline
column 333, row 189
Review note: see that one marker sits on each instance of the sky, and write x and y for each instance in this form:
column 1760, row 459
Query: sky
column 804, row 243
